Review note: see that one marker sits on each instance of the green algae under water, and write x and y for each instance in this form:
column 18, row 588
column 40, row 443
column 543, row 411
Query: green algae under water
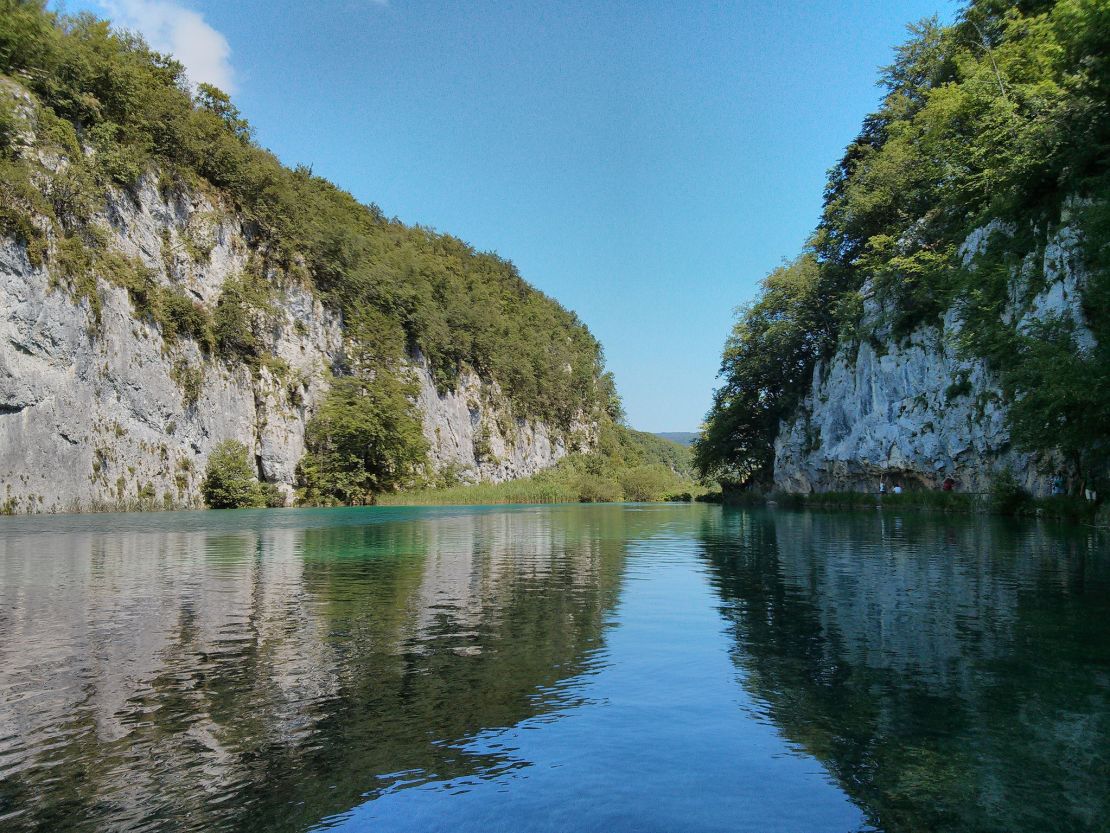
column 556, row 668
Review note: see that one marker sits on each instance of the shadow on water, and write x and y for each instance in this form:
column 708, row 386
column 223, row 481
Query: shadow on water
column 951, row 674
column 264, row 671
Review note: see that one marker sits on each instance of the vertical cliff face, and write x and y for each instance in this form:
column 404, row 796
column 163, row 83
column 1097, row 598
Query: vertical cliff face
column 893, row 410
column 473, row 434
column 99, row 407
column 917, row 410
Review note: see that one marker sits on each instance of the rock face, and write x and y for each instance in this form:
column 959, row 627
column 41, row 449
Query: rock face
column 913, row 410
column 100, row 415
column 473, row 434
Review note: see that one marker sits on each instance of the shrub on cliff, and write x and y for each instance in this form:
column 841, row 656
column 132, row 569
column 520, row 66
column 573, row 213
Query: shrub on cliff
column 229, row 481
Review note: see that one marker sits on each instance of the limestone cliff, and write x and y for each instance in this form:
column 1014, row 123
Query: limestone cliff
column 98, row 409
column 915, row 409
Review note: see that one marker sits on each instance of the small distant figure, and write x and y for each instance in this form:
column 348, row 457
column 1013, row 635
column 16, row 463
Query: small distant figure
column 897, row 488
column 949, row 484
column 882, row 487
column 1090, row 494
column 1057, row 485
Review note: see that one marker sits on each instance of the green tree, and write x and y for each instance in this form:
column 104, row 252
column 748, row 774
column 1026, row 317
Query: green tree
column 229, row 481
column 218, row 103
column 767, row 363
column 1061, row 397
column 366, row 438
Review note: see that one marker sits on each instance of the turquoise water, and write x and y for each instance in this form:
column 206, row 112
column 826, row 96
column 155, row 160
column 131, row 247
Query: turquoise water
column 594, row 668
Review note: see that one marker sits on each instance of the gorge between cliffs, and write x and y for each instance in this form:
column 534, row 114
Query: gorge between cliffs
column 314, row 518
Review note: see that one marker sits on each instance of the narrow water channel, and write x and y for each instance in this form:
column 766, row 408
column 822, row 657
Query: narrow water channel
column 595, row 668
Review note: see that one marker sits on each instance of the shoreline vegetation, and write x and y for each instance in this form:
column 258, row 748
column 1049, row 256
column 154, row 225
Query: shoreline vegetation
column 642, row 484
column 627, row 465
column 585, row 479
column 552, row 487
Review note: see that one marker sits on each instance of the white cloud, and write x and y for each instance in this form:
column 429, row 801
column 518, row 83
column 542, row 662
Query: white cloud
column 181, row 32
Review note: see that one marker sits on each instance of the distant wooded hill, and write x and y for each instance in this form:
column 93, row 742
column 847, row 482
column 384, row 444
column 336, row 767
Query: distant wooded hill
column 680, row 437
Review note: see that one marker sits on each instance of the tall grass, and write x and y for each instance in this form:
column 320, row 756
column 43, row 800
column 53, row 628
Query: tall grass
column 572, row 481
column 513, row 491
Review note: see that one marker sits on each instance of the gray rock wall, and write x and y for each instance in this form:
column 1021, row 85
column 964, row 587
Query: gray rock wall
column 95, row 417
column 473, row 433
column 914, row 410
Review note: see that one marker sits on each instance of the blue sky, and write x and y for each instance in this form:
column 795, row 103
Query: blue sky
column 645, row 163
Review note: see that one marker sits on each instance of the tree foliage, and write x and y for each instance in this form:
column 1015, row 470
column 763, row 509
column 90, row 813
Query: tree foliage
column 1002, row 115
column 366, row 439
column 117, row 110
column 768, row 360
column 1061, row 395
column 229, row 481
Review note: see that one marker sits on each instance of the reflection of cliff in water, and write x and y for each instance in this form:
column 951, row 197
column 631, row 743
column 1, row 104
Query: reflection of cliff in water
column 952, row 674
column 267, row 677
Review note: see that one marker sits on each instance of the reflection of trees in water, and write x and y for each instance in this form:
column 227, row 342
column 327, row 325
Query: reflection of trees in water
column 470, row 636
column 952, row 674
column 266, row 678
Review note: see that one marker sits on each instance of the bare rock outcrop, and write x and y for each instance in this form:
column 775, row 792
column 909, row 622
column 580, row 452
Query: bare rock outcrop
column 98, row 408
column 917, row 411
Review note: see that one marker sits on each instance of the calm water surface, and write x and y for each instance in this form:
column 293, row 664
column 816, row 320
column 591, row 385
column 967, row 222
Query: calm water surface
column 614, row 668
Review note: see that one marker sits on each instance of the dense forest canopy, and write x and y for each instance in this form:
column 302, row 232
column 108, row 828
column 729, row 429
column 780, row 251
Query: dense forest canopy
column 1001, row 116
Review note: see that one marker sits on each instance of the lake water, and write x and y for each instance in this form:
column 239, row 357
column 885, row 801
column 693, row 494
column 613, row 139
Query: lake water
column 568, row 668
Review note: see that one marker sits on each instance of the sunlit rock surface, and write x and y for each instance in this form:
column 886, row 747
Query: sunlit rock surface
column 92, row 416
column 915, row 411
